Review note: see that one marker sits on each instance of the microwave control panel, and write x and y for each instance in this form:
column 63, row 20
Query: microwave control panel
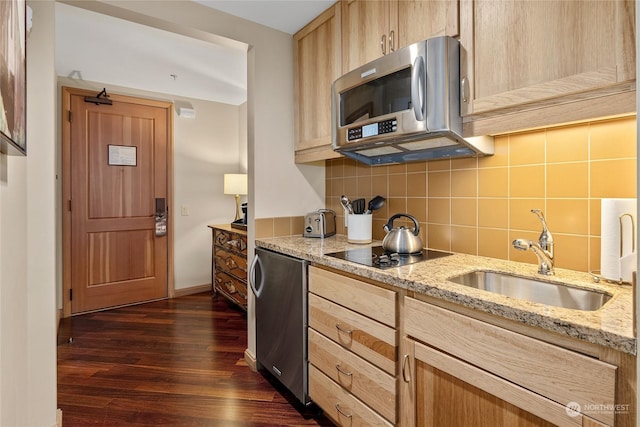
column 373, row 129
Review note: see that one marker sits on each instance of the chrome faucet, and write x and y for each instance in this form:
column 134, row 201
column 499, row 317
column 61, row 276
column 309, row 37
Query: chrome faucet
column 543, row 248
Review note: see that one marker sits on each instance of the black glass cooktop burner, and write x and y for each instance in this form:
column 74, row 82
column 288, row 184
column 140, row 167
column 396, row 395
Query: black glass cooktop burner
column 377, row 257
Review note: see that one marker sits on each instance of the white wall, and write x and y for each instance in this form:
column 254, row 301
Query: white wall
column 637, row 294
column 204, row 150
column 27, row 246
column 41, row 217
column 243, row 154
column 13, row 291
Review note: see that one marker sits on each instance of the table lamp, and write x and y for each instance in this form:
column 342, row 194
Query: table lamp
column 236, row 184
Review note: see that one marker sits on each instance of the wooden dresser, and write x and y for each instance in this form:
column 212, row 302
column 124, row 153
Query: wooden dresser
column 229, row 263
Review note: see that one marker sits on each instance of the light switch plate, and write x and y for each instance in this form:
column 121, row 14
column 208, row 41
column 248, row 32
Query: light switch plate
column 185, row 210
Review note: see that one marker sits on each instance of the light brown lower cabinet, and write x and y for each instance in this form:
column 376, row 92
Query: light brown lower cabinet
column 381, row 357
column 459, row 371
column 352, row 349
column 450, row 392
column 363, row 380
column 340, row 405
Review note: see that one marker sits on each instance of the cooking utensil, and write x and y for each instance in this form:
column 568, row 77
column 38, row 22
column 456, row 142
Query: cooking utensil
column 402, row 240
column 375, row 203
column 358, row 206
column 346, row 204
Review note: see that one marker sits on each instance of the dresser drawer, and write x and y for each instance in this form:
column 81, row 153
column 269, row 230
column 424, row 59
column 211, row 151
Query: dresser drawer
column 546, row 369
column 230, row 241
column 342, row 407
column 231, row 263
column 372, row 340
column 370, row 300
column 231, row 286
column 370, row 384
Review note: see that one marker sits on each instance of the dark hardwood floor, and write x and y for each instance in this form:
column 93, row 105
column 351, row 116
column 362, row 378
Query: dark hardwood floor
column 176, row 362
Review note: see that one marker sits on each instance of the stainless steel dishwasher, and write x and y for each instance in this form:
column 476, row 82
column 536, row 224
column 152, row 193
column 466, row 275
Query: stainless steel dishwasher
column 279, row 283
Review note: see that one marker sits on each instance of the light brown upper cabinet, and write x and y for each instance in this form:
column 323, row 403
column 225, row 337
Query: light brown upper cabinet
column 317, row 64
column 556, row 61
column 371, row 29
column 345, row 36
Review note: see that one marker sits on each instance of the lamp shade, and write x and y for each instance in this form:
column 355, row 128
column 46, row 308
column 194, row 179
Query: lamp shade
column 235, row 183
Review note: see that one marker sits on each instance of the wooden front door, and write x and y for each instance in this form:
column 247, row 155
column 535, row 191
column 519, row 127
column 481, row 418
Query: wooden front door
column 115, row 185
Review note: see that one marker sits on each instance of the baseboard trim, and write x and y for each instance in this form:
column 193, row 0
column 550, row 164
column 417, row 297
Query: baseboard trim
column 251, row 360
column 177, row 293
column 192, row 290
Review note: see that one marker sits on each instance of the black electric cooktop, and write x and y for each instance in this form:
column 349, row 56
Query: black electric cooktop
column 378, row 257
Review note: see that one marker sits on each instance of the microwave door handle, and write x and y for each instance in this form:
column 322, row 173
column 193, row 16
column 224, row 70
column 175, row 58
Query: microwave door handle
column 417, row 88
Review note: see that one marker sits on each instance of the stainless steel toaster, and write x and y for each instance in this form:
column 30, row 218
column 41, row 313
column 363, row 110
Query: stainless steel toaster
column 321, row 223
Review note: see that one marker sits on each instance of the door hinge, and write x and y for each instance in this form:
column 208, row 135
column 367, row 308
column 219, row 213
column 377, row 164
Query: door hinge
column 69, row 205
column 70, row 294
column 70, row 116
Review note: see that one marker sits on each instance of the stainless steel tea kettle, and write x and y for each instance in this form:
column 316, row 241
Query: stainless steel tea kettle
column 402, row 240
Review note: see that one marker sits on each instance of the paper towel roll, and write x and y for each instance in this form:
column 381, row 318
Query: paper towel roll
column 628, row 265
column 610, row 256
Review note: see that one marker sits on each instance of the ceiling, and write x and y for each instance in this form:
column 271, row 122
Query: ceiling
column 287, row 16
column 100, row 48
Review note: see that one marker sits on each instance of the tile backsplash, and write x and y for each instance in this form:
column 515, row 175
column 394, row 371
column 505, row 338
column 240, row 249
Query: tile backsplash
column 279, row 226
column 480, row 205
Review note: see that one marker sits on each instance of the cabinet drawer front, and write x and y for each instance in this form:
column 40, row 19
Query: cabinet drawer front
column 232, row 286
column 373, row 341
column 519, row 397
column 230, row 241
column 373, row 386
column 231, row 262
column 369, row 300
column 559, row 374
column 339, row 405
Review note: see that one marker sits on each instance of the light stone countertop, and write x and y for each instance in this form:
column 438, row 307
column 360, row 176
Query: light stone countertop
column 611, row 326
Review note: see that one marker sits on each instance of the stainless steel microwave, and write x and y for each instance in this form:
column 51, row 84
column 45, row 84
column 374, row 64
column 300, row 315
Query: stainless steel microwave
column 404, row 106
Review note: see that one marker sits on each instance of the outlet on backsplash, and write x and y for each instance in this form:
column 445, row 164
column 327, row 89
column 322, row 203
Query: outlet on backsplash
column 479, row 205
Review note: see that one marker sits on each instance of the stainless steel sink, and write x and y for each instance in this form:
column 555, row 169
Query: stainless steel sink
column 554, row 294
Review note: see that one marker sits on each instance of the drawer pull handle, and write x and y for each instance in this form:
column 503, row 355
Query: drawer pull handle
column 404, row 369
column 343, row 372
column 341, row 329
column 342, row 413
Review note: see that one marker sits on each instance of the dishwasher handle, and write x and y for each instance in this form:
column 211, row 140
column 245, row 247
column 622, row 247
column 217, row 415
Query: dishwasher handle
column 252, row 276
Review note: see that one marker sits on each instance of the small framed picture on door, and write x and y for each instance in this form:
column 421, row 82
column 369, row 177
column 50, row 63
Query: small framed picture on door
column 13, row 77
